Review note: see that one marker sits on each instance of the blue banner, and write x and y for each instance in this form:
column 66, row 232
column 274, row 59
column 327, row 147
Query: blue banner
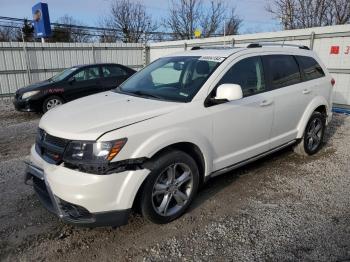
column 41, row 20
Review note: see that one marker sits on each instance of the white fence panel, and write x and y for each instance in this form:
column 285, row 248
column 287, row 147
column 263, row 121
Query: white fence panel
column 24, row 63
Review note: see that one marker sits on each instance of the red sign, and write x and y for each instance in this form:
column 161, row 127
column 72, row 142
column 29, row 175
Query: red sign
column 335, row 50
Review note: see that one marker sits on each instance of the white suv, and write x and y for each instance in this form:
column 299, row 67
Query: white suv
column 179, row 121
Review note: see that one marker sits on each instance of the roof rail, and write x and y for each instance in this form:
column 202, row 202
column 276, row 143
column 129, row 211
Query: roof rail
column 211, row 47
column 261, row 44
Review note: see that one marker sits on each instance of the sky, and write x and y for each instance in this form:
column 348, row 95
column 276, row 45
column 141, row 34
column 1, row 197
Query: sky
column 255, row 18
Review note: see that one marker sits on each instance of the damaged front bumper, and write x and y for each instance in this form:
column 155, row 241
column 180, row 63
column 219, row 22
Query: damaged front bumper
column 69, row 212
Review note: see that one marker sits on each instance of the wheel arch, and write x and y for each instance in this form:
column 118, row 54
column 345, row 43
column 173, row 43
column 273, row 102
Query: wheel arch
column 318, row 104
column 191, row 149
column 188, row 147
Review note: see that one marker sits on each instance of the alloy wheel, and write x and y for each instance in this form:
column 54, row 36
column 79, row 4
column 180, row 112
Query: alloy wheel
column 172, row 189
column 314, row 134
column 53, row 103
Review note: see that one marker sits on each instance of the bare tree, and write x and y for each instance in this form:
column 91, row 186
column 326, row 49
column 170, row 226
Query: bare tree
column 9, row 32
column 185, row 16
column 15, row 32
column 339, row 12
column 211, row 21
column 232, row 23
column 310, row 13
column 108, row 34
column 70, row 30
column 130, row 22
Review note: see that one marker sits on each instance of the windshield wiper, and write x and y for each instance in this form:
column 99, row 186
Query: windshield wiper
column 145, row 94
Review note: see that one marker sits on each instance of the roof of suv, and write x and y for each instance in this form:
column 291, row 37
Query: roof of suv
column 228, row 51
column 210, row 52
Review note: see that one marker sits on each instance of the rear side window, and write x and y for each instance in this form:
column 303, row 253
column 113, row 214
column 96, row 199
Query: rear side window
column 88, row 73
column 113, row 71
column 248, row 73
column 283, row 70
column 310, row 68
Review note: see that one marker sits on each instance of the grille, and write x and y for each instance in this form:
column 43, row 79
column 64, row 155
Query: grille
column 60, row 142
column 51, row 148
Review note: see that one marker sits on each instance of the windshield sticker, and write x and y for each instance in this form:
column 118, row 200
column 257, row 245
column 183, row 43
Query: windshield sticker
column 217, row 59
column 183, row 94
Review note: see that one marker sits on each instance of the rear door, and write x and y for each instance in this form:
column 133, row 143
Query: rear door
column 242, row 128
column 113, row 76
column 84, row 82
column 314, row 77
column 289, row 94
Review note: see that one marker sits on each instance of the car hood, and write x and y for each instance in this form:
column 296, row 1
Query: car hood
column 90, row 117
column 35, row 86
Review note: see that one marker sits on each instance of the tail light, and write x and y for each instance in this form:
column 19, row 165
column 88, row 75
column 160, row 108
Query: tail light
column 333, row 82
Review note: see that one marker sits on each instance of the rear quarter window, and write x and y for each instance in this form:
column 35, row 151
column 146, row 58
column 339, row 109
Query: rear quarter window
column 310, row 68
column 282, row 70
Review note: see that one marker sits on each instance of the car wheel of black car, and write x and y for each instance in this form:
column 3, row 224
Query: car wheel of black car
column 51, row 102
column 170, row 187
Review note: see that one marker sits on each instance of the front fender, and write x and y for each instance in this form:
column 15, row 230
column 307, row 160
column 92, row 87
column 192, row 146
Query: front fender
column 166, row 138
column 315, row 102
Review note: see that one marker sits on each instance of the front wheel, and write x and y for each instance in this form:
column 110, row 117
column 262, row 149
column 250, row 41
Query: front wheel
column 312, row 140
column 52, row 102
column 170, row 187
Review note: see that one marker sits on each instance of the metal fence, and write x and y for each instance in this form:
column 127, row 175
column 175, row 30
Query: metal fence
column 320, row 39
column 25, row 63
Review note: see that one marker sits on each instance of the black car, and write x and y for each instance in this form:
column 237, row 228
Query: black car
column 70, row 84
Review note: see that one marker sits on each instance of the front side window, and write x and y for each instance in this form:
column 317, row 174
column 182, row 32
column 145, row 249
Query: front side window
column 311, row 69
column 283, row 70
column 112, row 71
column 62, row 75
column 89, row 73
column 171, row 78
column 248, row 73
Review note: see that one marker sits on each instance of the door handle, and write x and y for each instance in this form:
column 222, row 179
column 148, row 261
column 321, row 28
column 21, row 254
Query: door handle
column 266, row 102
column 306, row 91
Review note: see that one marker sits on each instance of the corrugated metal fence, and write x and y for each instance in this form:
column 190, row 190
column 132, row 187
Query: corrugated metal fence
column 24, row 63
column 320, row 39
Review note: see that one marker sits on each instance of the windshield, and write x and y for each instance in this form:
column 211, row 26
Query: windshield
column 62, row 75
column 171, row 78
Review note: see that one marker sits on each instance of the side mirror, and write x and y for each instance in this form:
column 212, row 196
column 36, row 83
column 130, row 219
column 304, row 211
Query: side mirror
column 71, row 80
column 229, row 92
column 178, row 66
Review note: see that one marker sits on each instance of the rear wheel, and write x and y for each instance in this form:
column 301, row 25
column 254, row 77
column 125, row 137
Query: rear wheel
column 52, row 102
column 312, row 140
column 170, row 187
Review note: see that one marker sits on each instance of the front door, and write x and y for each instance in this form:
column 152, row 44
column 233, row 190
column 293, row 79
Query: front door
column 242, row 128
column 85, row 82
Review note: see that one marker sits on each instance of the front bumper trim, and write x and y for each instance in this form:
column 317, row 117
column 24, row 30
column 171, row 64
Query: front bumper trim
column 55, row 205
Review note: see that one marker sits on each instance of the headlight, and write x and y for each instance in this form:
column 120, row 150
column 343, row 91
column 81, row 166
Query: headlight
column 91, row 153
column 29, row 94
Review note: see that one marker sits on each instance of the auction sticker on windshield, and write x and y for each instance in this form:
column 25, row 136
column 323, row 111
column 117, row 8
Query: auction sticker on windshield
column 212, row 58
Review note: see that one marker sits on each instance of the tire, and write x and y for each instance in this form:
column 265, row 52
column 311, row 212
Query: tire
column 170, row 187
column 312, row 139
column 51, row 102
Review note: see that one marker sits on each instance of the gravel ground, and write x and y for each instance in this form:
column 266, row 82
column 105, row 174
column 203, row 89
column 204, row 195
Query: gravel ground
column 283, row 207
